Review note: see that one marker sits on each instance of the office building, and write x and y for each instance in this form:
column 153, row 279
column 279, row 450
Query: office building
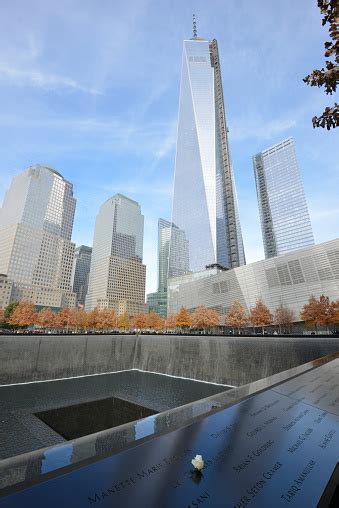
column 284, row 217
column 205, row 205
column 288, row 280
column 36, row 222
column 164, row 235
column 117, row 275
column 177, row 265
column 157, row 302
column 6, row 287
column 80, row 273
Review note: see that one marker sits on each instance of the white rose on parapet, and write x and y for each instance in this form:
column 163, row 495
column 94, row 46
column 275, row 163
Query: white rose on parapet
column 198, row 462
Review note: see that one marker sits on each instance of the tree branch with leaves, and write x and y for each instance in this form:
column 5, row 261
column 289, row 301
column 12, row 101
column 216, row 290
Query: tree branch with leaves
column 328, row 76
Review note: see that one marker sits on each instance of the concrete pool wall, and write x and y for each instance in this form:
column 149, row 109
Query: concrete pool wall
column 231, row 361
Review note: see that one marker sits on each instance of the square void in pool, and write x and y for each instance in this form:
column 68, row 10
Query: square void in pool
column 79, row 420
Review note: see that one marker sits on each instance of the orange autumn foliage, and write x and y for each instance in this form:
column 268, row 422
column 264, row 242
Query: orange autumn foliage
column 203, row 317
column 139, row 321
column 260, row 315
column 318, row 311
column 183, row 318
column 46, row 318
column 171, row 322
column 154, row 321
column 236, row 316
column 106, row 319
column 24, row 314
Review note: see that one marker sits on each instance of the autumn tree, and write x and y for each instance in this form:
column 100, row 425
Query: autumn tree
column 24, row 314
column 9, row 310
column 171, row 322
column 46, row 318
column 106, row 319
column 124, row 321
column 2, row 316
column 236, row 316
column 284, row 318
column 92, row 318
column 260, row 315
column 101, row 321
column 183, row 318
column 200, row 317
column 113, row 318
column 310, row 312
column 154, row 321
column 326, row 311
column 74, row 318
column 214, row 318
column 328, row 76
column 139, row 321
column 318, row 311
column 335, row 317
column 204, row 318
column 78, row 319
column 62, row 318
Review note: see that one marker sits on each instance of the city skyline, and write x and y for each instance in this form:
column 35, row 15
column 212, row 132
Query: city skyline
column 107, row 135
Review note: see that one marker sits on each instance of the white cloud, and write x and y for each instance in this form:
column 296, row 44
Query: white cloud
column 41, row 79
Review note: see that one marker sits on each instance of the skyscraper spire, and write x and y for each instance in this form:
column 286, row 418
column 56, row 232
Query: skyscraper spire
column 194, row 27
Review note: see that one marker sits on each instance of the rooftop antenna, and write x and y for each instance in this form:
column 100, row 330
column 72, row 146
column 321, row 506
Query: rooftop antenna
column 194, row 27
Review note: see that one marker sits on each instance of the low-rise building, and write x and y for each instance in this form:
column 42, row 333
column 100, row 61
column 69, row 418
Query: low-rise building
column 41, row 296
column 287, row 280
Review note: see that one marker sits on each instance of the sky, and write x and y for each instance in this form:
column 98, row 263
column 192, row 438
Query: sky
column 92, row 87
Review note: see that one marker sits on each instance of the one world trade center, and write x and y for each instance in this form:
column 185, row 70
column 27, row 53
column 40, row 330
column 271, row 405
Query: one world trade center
column 205, row 208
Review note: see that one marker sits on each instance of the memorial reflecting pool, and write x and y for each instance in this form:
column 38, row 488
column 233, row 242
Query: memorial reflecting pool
column 41, row 414
column 274, row 443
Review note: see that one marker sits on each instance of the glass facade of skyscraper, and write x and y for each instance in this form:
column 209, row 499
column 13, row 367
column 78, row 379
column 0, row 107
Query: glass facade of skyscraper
column 177, row 265
column 204, row 200
column 36, row 222
column 80, row 275
column 117, row 275
column 284, row 216
column 164, row 236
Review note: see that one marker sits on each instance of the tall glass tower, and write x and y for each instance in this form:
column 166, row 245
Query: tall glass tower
column 284, row 217
column 80, row 272
column 177, row 265
column 204, row 201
